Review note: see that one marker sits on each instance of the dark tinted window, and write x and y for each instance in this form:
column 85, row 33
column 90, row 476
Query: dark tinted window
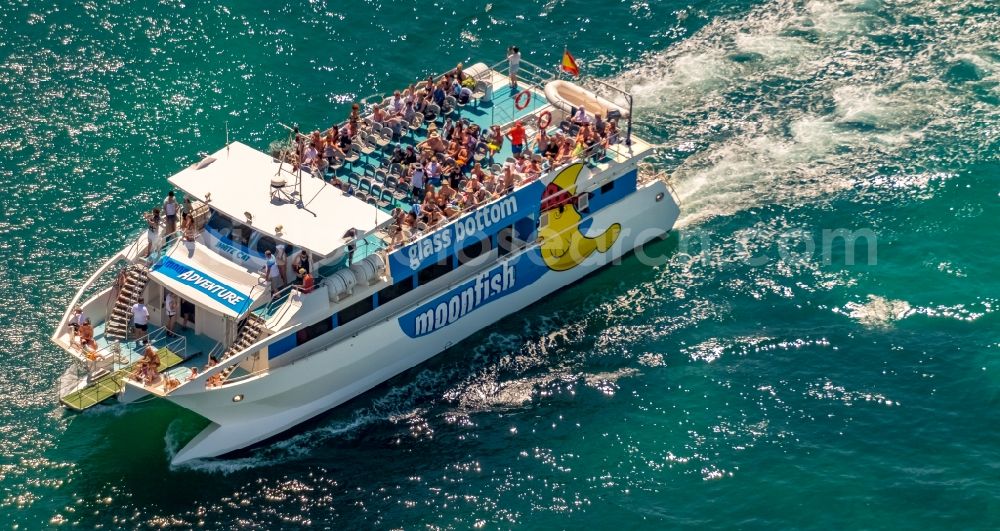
column 266, row 243
column 607, row 187
column 355, row 310
column 505, row 242
column 433, row 271
column 313, row 331
column 395, row 290
column 220, row 224
column 474, row 250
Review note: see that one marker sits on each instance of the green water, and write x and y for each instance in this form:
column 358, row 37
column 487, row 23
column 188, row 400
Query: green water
column 725, row 387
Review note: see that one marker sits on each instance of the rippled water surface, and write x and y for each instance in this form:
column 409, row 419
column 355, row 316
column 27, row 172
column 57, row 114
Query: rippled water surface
column 724, row 387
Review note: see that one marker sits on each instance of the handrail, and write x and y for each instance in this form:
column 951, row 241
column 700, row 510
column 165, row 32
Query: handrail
column 233, row 360
column 76, row 299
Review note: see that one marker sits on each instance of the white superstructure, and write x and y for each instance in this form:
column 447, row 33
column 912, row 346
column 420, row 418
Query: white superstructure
column 256, row 353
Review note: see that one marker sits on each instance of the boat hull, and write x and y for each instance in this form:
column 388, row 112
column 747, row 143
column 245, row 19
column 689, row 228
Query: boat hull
column 255, row 409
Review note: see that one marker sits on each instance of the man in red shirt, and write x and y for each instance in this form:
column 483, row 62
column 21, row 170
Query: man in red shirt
column 517, row 137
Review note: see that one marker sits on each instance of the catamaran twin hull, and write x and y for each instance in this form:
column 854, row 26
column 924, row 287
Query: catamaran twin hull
column 361, row 357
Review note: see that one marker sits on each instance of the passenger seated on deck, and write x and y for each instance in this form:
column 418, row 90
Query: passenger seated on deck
column 541, row 140
column 87, row 335
column 450, row 171
column 187, row 227
column 509, row 180
column 494, row 140
column 307, row 284
column 462, row 93
column 171, row 383
column 552, row 150
column 478, row 172
column 332, row 152
column 446, row 192
column 193, row 374
column 446, row 128
column 409, row 156
column 397, row 104
column 565, row 150
column 611, row 133
column 462, row 159
column 434, row 143
column 439, row 94
column 76, row 320
column 533, row 170
column 301, row 261
column 420, row 103
column 147, row 369
column 580, row 116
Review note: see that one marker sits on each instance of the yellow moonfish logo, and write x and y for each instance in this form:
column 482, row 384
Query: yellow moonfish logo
column 563, row 246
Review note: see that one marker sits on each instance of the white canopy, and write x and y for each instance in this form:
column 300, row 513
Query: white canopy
column 239, row 181
column 203, row 277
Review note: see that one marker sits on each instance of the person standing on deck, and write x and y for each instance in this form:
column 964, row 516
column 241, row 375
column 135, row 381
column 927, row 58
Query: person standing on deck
column 152, row 230
column 170, row 208
column 271, row 271
column 517, row 137
column 140, row 320
column 301, row 261
column 171, row 305
column 513, row 65
column 281, row 258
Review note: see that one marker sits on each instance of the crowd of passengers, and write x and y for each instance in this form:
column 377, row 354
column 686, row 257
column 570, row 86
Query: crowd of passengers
column 451, row 171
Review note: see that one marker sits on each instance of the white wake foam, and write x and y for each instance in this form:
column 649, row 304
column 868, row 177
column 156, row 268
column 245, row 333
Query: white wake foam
column 797, row 101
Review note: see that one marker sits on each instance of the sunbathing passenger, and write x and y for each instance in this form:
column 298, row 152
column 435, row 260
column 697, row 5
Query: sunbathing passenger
column 478, row 172
column 541, row 140
column 378, row 115
column 446, row 192
column 86, row 331
column 434, row 143
column 397, row 104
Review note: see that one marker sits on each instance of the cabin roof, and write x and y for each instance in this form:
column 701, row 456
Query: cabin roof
column 239, row 181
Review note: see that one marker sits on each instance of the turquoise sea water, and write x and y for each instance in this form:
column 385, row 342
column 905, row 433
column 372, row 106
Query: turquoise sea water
column 725, row 387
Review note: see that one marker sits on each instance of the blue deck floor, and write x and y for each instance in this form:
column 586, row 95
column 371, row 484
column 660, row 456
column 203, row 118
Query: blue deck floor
column 500, row 110
column 195, row 351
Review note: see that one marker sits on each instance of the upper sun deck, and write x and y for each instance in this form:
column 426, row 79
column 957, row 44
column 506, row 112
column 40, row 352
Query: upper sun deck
column 239, row 182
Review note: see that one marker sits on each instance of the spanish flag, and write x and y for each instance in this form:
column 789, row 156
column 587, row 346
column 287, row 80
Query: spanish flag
column 569, row 64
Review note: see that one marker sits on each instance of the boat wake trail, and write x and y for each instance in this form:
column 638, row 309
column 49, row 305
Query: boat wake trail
column 801, row 100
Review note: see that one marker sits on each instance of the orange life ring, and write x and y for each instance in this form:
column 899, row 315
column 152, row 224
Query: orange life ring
column 526, row 94
column 544, row 119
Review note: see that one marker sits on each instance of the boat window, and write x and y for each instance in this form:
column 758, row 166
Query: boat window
column 399, row 288
column 474, row 250
column 505, row 241
column 355, row 310
column 241, row 234
column 434, row 271
column 266, row 243
column 607, row 187
column 313, row 331
column 220, row 224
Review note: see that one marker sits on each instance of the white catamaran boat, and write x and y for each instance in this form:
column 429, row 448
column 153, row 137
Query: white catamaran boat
column 256, row 357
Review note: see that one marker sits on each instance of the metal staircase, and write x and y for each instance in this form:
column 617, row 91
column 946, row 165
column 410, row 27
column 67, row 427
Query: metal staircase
column 250, row 331
column 132, row 281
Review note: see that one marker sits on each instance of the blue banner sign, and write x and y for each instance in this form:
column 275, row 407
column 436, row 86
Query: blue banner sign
column 485, row 221
column 488, row 286
column 220, row 292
